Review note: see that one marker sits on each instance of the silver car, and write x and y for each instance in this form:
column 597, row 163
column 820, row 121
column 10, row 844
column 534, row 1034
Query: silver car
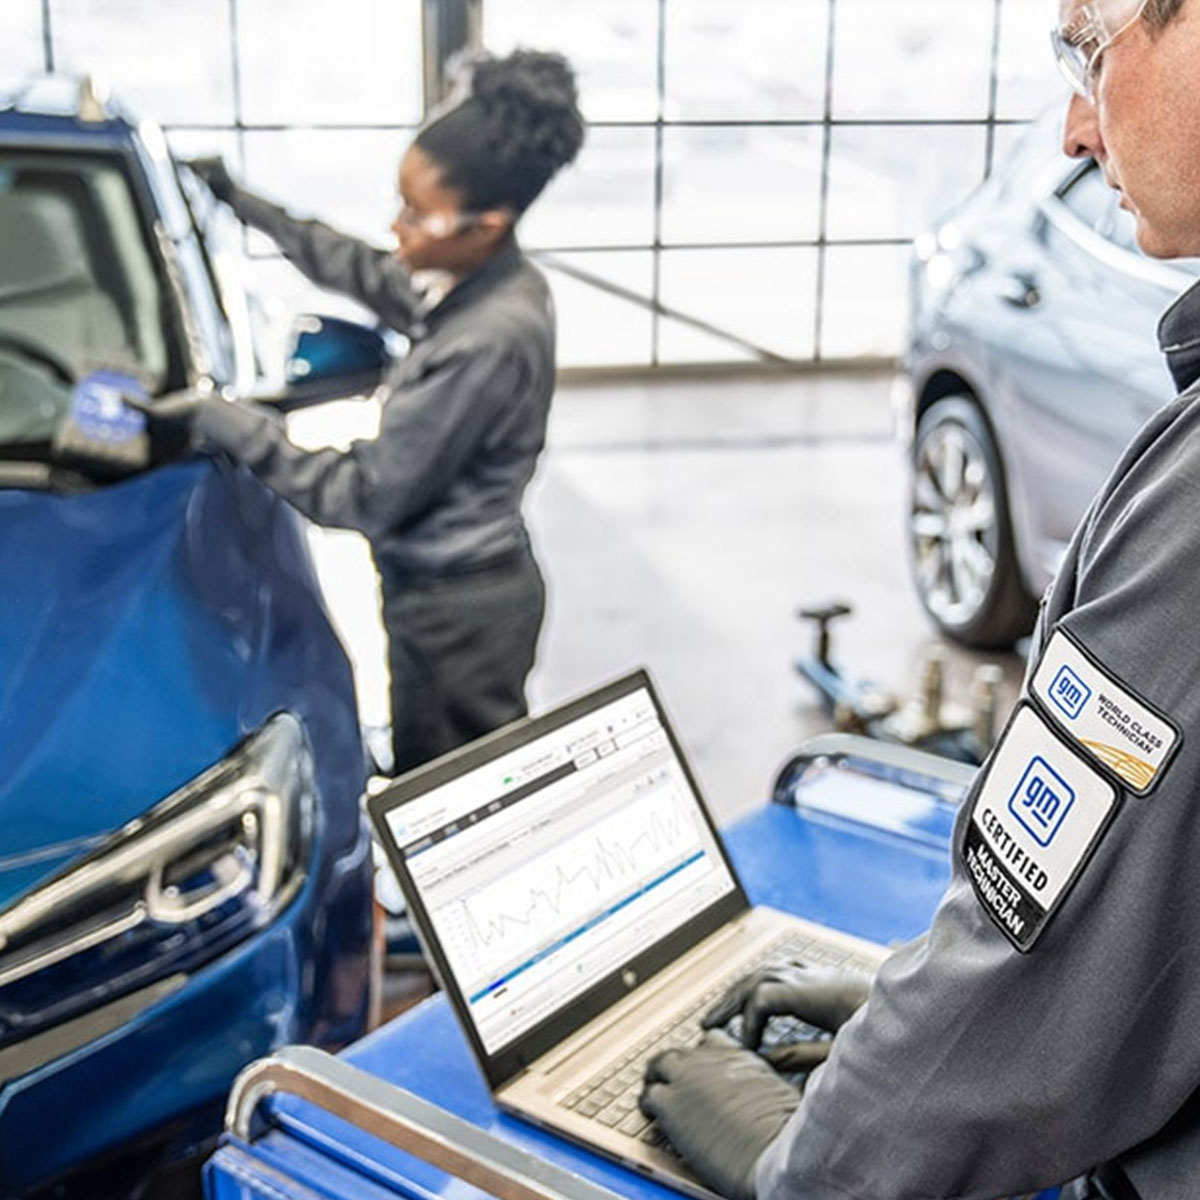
column 1031, row 362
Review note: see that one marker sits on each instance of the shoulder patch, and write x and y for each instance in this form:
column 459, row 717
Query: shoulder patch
column 1038, row 815
column 1126, row 736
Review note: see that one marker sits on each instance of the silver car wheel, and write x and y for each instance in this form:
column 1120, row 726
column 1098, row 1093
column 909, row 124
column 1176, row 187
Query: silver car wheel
column 964, row 561
column 953, row 524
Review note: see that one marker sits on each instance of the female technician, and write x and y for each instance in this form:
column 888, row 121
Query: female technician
column 438, row 491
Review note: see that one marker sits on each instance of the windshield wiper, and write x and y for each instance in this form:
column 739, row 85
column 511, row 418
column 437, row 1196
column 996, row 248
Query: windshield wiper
column 33, row 476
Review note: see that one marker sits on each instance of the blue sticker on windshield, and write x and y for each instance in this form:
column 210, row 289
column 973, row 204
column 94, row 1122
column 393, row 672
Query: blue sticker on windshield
column 99, row 409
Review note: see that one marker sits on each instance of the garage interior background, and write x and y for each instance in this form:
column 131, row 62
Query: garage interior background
column 729, row 261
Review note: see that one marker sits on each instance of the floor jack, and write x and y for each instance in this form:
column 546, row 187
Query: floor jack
column 927, row 720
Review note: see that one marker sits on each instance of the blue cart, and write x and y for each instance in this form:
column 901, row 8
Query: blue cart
column 856, row 837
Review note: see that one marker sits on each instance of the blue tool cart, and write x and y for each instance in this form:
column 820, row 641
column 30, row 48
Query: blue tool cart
column 856, row 837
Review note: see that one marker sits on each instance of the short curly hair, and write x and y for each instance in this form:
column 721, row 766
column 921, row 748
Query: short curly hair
column 1158, row 14
column 518, row 124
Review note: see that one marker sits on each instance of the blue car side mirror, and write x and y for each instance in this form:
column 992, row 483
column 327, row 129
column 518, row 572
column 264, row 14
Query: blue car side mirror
column 332, row 358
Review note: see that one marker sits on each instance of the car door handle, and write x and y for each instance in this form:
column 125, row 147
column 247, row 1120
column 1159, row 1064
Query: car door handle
column 1020, row 290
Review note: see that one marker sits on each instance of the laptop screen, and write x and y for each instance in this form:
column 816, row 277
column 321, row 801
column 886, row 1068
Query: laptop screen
column 553, row 863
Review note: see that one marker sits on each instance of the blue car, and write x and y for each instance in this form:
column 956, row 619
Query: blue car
column 185, row 873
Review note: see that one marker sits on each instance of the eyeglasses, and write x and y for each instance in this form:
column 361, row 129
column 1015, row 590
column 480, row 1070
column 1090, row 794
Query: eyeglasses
column 436, row 224
column 1079, row 44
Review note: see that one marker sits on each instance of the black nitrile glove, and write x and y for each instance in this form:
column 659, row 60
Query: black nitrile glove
column 171, row 408
column 214, row 174
column 821, row 996
column 720, row 1106
column 168, row 420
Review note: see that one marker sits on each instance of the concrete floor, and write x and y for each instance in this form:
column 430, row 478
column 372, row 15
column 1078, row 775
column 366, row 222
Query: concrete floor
column 681, row 523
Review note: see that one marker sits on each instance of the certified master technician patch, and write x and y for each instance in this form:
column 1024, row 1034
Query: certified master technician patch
column 1035, row 822
column 1117, row 728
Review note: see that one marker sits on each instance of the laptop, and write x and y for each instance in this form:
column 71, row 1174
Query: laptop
column 573, row 897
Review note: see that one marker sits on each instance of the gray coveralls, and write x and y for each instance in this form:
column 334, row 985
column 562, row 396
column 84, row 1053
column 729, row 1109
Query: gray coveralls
column 1050, row 1019
column 438, row 492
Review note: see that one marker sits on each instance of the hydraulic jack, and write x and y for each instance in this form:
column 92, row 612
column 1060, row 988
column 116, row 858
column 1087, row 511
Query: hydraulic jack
column 927, row 720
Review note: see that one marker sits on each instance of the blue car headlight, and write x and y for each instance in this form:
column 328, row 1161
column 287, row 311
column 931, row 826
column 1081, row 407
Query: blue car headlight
column 194, row 876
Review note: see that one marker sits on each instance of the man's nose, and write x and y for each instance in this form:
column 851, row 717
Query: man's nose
column 1081, row 130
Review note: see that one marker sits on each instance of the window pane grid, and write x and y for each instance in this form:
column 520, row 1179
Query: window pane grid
column 748, row 163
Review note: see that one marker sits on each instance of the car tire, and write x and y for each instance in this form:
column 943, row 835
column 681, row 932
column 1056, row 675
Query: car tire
column 963, row 559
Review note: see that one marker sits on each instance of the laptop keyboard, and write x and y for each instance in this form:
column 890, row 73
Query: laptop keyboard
column 610, row 1097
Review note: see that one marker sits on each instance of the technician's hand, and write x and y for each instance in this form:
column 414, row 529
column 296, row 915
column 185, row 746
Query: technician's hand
column 822, row 996
column 720, row 1106
column 172, row 408
column 214, row 174
column 169, row 420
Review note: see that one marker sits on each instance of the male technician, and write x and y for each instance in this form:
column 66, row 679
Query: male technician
column 1048, row 1026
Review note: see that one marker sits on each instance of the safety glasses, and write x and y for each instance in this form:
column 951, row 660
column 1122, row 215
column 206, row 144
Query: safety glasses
column 1081, row 41
column 437, row 224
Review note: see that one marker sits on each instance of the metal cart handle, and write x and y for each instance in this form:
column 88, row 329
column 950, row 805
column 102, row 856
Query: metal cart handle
column 405, row 1121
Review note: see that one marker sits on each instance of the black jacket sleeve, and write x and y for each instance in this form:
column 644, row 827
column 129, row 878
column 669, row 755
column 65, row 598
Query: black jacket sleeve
column 335, row 260
column 429, row 427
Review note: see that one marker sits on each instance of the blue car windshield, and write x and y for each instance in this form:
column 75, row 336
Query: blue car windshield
column 79, row 289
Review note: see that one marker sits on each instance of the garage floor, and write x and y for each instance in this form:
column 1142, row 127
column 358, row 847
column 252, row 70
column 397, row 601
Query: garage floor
column 682, row 523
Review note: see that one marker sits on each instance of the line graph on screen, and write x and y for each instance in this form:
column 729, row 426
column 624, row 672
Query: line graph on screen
column 559, row 891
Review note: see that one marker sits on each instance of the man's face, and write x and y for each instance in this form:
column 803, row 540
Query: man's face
column 1143, row 128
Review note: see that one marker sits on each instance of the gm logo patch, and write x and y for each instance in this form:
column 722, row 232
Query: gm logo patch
column 1124, row 735
column 1069, row 693
column 1037, row 815
column 1041, row 800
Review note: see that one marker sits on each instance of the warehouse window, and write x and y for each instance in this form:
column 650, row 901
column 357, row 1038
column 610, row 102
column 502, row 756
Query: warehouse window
column 753, row 175
column 798, row 146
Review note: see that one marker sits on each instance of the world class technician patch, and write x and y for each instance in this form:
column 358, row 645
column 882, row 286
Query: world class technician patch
column 1038, row 816
column 1125, row 736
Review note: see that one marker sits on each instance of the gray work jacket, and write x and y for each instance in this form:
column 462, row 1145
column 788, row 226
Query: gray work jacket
column 1050, row 1020
column 463, row 418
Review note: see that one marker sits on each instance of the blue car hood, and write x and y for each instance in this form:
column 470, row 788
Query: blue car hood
column 129, row 626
